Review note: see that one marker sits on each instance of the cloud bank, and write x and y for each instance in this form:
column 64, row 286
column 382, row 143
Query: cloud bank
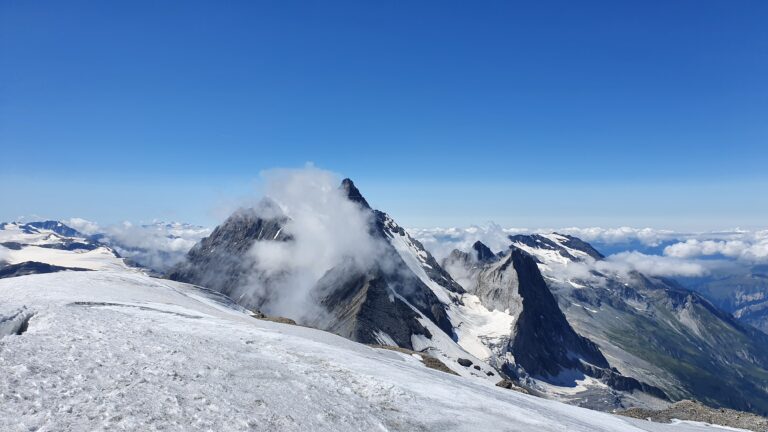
column 157, row 246
column 683, row 254
column 753, row 247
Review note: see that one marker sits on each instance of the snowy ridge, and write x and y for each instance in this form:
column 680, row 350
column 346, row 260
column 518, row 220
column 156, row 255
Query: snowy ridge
column 478, row 331
column 117, row 350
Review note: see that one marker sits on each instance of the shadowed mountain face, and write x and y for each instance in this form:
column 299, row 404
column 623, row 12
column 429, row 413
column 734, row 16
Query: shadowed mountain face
column 220, row 261
column 543, row 343
column 655, row 330
column 507, row 316
column 380, row 304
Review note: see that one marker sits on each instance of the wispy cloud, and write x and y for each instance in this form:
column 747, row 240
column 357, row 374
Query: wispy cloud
column 653, row 265
column 685, row 255
column 326, row 229
column 156, row 245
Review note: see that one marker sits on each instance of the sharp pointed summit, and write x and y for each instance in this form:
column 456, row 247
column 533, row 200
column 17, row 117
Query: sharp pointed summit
column 353, row 193
column 484, row 253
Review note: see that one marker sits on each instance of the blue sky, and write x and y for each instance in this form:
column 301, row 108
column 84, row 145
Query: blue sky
column 651, row 113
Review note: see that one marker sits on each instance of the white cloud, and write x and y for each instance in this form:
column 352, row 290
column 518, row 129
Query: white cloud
column 327, row 229
column 646, row 236
column 157, row 245
column 747, row 246
column 752, row 248
column 689, row 255
column 441, row 241
column 652, row 265
column 84, row 226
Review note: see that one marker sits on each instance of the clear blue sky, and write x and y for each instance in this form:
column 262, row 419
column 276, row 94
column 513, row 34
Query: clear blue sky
column 651, row 113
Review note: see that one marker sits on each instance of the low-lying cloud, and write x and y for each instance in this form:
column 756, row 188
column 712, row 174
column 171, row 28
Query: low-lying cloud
column 326, row 230
column 753, row 248
column 652, row 265
column 157, row 246
column 685, row 254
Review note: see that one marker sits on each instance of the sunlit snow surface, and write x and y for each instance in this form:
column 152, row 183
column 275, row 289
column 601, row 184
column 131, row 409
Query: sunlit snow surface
column 33, row 249
column 122, row 351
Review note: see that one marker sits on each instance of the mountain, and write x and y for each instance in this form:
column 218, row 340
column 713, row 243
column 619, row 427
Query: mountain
column 546, row 352
column 119, row 350
column 405, row 298
column 745, row 295
column 652, row 328
column 219, row 261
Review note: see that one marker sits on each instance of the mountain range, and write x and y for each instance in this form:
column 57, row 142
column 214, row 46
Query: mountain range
column 542, row 316
column 537, row 313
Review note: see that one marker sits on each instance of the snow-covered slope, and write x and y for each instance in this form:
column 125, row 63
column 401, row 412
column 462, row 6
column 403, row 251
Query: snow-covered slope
column 115, row 350
column 54, row 243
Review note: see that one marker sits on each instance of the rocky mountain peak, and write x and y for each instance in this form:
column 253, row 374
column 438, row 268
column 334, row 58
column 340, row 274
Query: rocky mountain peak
column 353, row 193
column 483, row 252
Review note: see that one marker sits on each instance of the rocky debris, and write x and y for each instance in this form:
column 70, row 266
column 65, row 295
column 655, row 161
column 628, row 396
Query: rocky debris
column 433, row 363
column 509, row 385
column 465, row 362
column 696, row 411
column 277, row 319
column 428, row 360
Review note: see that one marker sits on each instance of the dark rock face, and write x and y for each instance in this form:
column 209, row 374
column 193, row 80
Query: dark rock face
column 664, row 337
column 483, row 252
column 544, row 342
column 617, row 381
column 361, row 304
column 217, row 261
column 33, row 267
column 385, row 289
column 353, row 193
